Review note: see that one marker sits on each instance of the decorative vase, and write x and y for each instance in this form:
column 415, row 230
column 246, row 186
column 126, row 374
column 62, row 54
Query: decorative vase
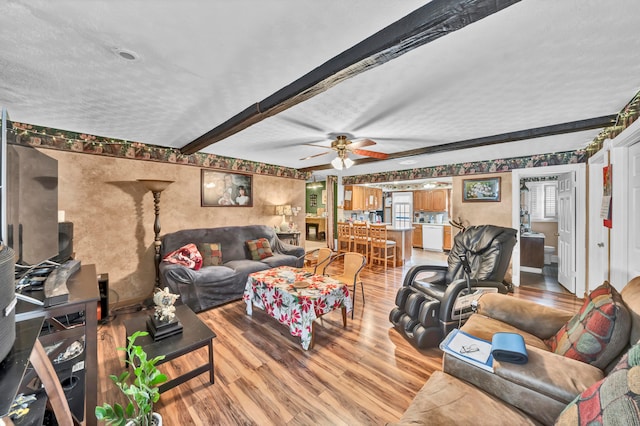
column 284, row 226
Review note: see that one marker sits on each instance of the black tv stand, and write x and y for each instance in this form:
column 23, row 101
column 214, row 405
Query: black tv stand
column 83, row 297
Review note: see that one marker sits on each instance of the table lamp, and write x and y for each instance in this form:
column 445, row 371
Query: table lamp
column 284, row 210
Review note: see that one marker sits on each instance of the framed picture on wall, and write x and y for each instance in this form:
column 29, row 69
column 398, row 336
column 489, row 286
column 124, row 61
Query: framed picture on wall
column 226, row 189
column 478, row 190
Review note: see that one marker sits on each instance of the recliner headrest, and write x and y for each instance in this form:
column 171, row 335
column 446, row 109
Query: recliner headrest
column 478, row 238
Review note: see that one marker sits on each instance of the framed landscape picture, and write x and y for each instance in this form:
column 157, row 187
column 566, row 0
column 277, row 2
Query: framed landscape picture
column 226, row 189
column 487, row 189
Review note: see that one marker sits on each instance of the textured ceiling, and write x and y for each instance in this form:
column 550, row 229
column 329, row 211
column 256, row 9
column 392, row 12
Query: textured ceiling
column 536, row 63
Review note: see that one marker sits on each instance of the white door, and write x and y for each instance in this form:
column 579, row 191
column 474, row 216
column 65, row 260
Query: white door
column 566, row 239
column 634, row 208
column 598, row 234
column 402, row 207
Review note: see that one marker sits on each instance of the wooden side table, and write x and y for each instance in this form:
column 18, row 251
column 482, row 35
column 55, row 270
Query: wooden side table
column 290, row 237
column 195, row 334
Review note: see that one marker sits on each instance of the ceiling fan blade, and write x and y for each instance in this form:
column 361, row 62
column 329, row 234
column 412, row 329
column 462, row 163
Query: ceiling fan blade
column 361, row 143
column 315, row 155
column 301, row 123
column 313, row 143
column 402, row 139
column 372, row 154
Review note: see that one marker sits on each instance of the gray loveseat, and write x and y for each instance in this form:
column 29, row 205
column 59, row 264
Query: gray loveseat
column 211, row 286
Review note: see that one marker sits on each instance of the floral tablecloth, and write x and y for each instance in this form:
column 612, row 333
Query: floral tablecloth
column 273, row 291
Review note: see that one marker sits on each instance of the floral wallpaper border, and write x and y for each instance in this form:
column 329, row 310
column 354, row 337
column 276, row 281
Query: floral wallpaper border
column 472, row 168
column 63, row 140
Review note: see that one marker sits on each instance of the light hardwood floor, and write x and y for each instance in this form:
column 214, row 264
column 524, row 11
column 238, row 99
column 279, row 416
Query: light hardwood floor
column 366, row 374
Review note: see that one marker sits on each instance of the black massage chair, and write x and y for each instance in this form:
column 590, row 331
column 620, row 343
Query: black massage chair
column 436, row 299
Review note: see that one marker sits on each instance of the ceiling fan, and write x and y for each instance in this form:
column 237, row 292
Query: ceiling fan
column 342, row 145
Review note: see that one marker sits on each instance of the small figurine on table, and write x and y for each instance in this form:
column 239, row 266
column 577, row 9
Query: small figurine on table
column 164, row 300
column 164, row 323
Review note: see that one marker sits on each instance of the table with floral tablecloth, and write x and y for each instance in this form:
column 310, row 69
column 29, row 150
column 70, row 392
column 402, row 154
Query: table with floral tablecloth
column 277, row 292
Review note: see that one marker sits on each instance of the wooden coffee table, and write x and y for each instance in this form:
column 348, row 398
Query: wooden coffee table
column 195, row 335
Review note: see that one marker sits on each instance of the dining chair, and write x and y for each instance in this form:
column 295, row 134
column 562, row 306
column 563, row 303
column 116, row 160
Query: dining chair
column 345, row 237
column 316, row 260
column 361, row 240
column 382, row 249
column 353, row 264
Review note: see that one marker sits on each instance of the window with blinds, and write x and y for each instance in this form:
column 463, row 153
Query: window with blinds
column 542, row 200
column 550, row 195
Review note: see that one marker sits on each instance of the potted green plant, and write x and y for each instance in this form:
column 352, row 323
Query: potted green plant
column 142, row 392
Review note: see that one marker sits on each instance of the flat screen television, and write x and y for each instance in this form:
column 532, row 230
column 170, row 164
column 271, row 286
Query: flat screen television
column 30, row 201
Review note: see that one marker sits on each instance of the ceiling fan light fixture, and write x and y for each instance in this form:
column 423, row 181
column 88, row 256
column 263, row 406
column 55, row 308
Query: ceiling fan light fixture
column 337, row 163
column 348, row 162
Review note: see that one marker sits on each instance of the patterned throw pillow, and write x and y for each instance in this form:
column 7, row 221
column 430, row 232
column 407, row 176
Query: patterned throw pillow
column 596, row 334
column 188, row 256
column 260, row 248
column 211, row 254
column 612, row 400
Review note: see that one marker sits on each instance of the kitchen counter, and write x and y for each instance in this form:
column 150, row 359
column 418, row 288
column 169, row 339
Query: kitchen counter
column 391, row 228
column 402, row 237
column 428, row 223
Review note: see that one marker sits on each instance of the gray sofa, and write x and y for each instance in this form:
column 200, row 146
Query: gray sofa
column 211, row 286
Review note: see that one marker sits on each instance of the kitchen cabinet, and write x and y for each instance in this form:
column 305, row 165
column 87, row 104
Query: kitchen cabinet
column 417, row 201
column 435, row 200
column 379, row 203
column 353, row 197
column 362, row 198
column 447, row 241
column 439, row 200
column 372, row 199
column 417, row 236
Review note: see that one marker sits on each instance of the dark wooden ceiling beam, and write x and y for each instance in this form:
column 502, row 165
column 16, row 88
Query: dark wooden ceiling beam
column 538, row 132
column 430, row 22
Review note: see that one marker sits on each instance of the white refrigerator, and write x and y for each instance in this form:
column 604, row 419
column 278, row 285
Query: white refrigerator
column 402, row 210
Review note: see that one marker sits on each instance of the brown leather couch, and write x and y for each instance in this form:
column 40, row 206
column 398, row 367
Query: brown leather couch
column 533, row 393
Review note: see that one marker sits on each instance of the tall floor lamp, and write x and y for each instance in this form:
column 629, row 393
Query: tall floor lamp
column 156, row 187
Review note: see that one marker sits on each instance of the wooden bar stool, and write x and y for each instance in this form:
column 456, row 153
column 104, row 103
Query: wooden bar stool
column 361, row 239
column 345, row 237
column 382, row 249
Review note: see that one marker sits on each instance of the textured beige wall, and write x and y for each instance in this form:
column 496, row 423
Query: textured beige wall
column 483, row 213
column 113, row 214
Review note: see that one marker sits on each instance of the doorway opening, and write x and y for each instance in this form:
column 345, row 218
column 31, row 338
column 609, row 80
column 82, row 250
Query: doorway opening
column 539, row 252
column 548, row 214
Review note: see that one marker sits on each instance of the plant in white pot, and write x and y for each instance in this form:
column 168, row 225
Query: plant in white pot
column 142, row 392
